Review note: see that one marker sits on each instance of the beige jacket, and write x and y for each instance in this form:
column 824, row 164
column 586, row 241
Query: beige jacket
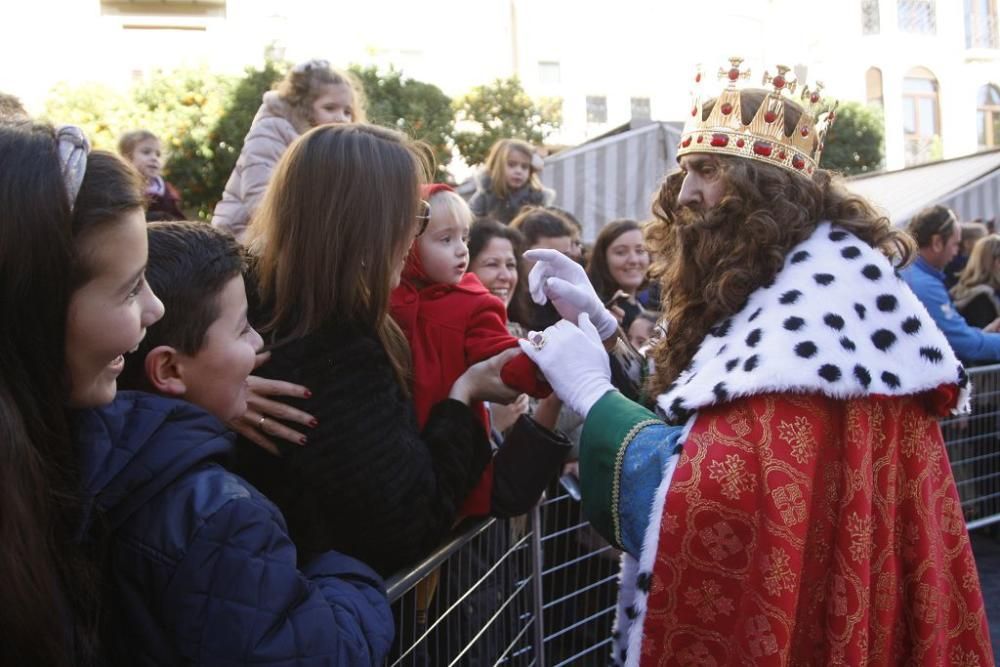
column 274, row 128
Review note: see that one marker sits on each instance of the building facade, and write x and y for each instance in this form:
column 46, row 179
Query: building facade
column 933, row 66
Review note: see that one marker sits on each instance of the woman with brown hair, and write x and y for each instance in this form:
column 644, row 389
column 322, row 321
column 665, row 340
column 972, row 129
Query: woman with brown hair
column 975, row 294
column 311, row 94
column 617, row 268
column 329, row 247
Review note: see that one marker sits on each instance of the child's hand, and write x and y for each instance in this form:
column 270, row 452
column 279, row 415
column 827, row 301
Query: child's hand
column 260, row 424
column 504, row 416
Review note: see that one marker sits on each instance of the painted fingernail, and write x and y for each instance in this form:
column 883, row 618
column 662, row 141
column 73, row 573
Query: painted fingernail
column 307, row 394
column 313, row 423
column 302, row 440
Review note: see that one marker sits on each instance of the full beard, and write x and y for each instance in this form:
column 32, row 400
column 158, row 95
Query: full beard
column 714, row 261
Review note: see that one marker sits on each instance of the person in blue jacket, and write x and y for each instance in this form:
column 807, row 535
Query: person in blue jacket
column 199, row 565
column 937, row 233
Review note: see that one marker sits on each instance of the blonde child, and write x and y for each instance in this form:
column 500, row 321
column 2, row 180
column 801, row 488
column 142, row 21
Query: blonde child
column 311, row 94
column 510, row 182
column 452, row 321
column 143, row 149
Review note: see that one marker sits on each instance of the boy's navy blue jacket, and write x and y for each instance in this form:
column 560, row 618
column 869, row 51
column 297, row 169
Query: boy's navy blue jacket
column 200, row 565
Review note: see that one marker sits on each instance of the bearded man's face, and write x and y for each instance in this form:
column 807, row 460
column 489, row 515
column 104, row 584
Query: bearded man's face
column 703, row 186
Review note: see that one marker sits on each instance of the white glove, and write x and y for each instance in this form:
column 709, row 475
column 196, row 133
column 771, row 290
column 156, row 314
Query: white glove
column 574, row 362
column 558, row 278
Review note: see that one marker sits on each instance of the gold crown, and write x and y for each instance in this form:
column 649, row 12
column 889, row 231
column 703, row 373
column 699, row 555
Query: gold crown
column 764, row 139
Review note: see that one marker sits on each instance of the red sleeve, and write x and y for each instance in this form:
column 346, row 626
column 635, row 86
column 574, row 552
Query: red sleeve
column 487, row 335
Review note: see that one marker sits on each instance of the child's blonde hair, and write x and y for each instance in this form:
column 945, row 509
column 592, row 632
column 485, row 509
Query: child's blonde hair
column 451, row 204
column 496, row 165
column 305, row 82
column 129, row 140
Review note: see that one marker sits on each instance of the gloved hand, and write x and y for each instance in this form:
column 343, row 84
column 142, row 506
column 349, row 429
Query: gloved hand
column 558, row 278
column 574, row 362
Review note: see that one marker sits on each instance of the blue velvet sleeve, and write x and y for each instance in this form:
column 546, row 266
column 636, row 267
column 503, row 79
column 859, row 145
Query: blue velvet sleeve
column 651, row 456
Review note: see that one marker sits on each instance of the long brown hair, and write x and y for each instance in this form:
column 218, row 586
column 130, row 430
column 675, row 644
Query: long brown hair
column 338, row 217
column 710, row 262
column 598, row 269
column 496, row 165
column 980, row 269
column 47, row 579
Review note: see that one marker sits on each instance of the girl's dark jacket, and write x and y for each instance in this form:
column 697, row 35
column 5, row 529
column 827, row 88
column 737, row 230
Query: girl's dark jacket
column 486, row 203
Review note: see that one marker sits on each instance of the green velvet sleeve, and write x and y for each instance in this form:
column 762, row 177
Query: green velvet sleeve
column 610, row 427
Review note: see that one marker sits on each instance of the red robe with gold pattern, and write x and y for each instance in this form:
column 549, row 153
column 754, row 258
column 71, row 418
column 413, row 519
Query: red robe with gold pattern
column 804, row 530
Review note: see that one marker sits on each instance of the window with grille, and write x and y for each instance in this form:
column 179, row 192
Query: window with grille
column 981, row 26
column 641, row 108
column 917, row 16
column 988, row 116
column 870, row 23
column 597, row 109
column 921, row 116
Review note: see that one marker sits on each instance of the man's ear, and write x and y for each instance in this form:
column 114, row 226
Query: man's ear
column 165, row 371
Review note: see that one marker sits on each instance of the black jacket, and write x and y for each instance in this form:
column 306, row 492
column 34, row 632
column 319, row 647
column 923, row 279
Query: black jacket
column 368, row 483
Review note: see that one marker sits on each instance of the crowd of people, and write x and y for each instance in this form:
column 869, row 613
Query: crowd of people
column 220, row 438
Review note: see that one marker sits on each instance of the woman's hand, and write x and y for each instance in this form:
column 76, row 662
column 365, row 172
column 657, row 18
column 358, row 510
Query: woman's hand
column 558, row 278
column 259, row 423
column 574, row 362
column 481, row 382
column 504, row 416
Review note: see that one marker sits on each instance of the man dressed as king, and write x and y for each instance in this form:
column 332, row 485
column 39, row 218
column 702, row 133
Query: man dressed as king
column 788, row 499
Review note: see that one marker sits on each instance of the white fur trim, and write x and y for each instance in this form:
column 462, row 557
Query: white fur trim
column 837, row 321
column 630, row 631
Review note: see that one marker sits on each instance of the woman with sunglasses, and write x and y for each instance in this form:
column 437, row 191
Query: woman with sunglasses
column 328, row 248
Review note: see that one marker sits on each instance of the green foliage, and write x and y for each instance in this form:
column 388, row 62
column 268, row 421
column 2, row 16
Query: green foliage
column 200, row 163
column 502, row 110
column 419, row 109
column 854, row 144
column 200, row 117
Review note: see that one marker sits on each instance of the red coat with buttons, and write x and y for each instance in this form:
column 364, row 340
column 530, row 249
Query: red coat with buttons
column 449, row 328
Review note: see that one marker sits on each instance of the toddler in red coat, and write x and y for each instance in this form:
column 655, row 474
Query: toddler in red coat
column 451, row 321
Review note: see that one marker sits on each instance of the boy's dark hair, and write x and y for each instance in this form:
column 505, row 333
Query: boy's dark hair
column 189, row 265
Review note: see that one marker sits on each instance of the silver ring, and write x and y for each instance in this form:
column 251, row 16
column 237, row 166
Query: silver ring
column 538, row 339
column 260, row 424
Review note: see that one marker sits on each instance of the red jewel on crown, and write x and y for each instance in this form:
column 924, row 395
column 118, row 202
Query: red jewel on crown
column 727, row 109
column 770, row 116
column 762, row 148
column 720, row 140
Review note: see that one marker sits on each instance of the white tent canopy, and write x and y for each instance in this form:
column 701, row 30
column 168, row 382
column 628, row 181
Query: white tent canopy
column 969, row 185
column 613, row 177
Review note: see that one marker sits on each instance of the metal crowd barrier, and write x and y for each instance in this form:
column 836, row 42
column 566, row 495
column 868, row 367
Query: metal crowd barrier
column 973, row 444
column 541, row 590
column 538, row 590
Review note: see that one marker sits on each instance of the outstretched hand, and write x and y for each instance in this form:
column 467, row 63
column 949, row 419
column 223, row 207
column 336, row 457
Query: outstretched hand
column 557, row 278
column 573, row 360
